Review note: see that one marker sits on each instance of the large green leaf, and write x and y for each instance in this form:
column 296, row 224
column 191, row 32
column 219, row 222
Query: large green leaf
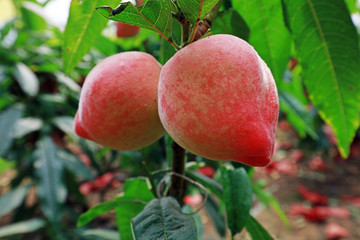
column 163, row 219
column 51, row 190
column 22, row 227
column 327, row 45
column 257, row 231
column 230, row 22
column 154, row 15
column 83, row 28
column 8, row 119
column 196, row 9
column 237, row 197
column 138, row 191
column 268, row 33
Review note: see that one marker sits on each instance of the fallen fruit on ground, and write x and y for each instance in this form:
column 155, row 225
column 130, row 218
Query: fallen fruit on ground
column 218, row 99
column 118, row 102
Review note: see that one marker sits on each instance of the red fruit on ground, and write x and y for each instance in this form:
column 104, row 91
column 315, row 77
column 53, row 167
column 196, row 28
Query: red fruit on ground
column 115, row 183
column 310, row 214
column 336, row 212
column 207, row 171
column 312, row 197
column 352, row 200
column 85, row 159
column 86, row 188
column 284, row 125
column 296, row 155
column 218, row 99
column 193, row 200
column 285, row 166
column 335, row 231
column 317, row 163
column 118, row 102
column 107, row 178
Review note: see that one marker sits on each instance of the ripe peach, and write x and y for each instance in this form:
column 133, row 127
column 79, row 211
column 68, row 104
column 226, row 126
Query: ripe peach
column 218, row 99
column 118, row 102
column 124, row 30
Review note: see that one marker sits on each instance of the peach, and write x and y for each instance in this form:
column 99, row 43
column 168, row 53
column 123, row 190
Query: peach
column 118, row 102
column 124, row 30
column 218, row 99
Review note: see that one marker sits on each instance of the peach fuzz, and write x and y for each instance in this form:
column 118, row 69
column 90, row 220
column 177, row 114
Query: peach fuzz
column 118, row 102
column 218, row 99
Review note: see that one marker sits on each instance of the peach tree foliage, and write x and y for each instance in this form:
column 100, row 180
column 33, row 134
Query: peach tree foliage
column 328, row 55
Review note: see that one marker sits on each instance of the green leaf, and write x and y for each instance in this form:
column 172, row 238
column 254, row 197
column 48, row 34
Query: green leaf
column 268, row 33
column 230, row 22
column 138, row 187
column 97, row 210
column 25, row 126
column 68, row 82
column 212, row 208
column 101, row 234
column 327, row 45
column 65, row 124
column 74, row 164
column 8, row 119
column 83, row 28
column 48, row 169
column 13, row 199
column 31, row 15
column 209, row 183
column 166, row 51
column 154, row 15
column 27, row 80
column 268, row 199
column 237, row 197
column 22, row 227
column 163, row 219
column 257, row 231
column 297, row 114
column 197, row 217
column 138, row 191
column 5, row 165
column 352, row 5
column 136, row 195
column 194, row 8
column 105, row 46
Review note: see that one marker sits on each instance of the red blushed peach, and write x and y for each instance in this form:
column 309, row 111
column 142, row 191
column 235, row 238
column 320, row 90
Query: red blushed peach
column 124, row 30
column 118, row 102
column 218, row 99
